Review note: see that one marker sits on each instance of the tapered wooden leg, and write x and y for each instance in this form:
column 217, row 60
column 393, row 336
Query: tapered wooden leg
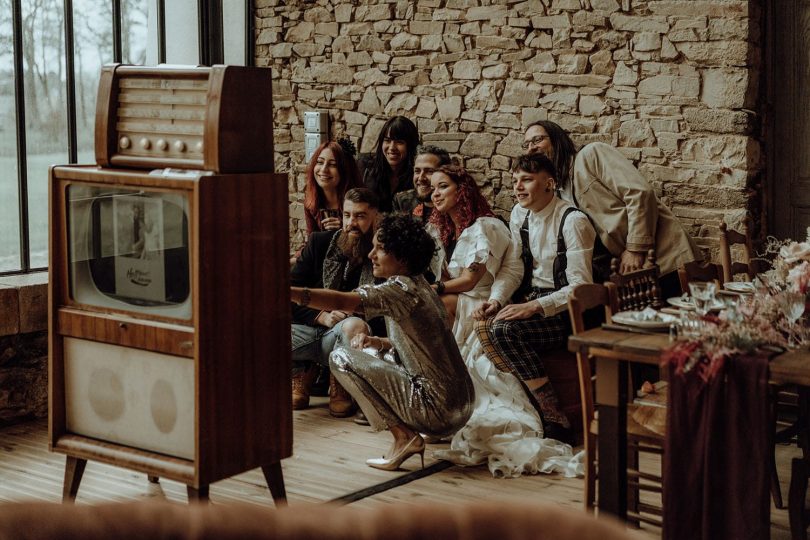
column 153, row 479
column 796, row 496
column 275, row 481
column 74, row 469
column 197, row 494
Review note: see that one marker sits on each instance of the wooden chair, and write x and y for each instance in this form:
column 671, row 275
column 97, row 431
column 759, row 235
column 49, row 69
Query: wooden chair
column 640, row 439
column 700, row 272
column 638, row 289
column 729, row 238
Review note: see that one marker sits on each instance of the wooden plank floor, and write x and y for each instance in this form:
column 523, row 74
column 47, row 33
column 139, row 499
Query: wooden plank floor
column 328, row 462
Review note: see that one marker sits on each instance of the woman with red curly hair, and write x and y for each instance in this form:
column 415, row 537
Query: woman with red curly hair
column 474, row 243
column 331, row 172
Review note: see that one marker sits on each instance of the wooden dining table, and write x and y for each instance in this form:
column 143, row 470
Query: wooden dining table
column 613, row 350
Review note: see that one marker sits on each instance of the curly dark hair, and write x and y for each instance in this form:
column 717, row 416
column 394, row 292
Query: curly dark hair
column 408, row 241
column 471, row 203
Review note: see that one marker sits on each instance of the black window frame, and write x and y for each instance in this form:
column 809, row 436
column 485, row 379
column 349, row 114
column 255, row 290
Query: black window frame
column 210, row 35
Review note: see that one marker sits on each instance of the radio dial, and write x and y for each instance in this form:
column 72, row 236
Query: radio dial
column 162, row 145
column 146, row 144
column 180, row 146
column 124, row 142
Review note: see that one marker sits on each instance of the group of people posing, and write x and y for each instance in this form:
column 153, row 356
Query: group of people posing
column 434, row 315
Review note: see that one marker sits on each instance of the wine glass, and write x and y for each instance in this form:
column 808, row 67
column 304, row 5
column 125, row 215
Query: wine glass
column 703, row 295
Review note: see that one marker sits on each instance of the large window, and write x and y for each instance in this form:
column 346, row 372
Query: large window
column 51, row 53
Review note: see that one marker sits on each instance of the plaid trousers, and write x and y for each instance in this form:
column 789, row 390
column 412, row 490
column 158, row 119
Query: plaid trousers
column 517, row 347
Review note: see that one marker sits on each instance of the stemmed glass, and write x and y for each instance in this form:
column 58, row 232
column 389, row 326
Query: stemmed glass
column 703, row 295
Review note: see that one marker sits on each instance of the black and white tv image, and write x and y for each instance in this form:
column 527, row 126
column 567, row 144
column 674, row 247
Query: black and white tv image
column 129, row 249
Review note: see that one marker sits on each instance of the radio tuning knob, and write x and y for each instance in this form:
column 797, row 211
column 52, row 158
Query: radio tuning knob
column 199, row 147
column 162, row 145
column 124, row 142
column 180, row 146
column 146, row 143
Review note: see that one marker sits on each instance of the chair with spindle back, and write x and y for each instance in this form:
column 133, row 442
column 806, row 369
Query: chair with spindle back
column 638, row 289
column 585, row 298
column 700, row 272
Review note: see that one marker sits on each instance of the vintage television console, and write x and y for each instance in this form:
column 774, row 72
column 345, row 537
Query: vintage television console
column 169, row 329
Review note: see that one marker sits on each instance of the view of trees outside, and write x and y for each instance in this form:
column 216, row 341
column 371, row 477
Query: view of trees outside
column 44, row 77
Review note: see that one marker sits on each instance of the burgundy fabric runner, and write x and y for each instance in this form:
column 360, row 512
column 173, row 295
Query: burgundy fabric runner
column 717, row 453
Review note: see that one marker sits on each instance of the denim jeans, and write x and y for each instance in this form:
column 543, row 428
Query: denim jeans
column 312, row 344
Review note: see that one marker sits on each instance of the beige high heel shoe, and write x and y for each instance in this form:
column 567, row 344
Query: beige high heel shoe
column 414, row 446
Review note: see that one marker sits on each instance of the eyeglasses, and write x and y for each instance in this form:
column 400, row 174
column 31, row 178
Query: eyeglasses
column 533, row 141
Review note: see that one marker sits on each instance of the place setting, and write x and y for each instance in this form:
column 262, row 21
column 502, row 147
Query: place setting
column 684, row 317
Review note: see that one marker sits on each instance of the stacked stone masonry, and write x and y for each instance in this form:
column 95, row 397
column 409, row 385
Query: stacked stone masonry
column 672, row 83
column 23, row 347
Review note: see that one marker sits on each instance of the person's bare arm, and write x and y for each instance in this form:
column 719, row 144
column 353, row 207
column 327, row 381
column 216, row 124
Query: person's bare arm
column 327, row 299
column 467, row 281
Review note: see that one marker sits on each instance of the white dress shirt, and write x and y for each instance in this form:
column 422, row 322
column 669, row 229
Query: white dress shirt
column 579, row 237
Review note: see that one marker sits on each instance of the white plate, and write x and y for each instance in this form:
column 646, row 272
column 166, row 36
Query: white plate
column 739, row 286
column 628, row 318
column 687, row 304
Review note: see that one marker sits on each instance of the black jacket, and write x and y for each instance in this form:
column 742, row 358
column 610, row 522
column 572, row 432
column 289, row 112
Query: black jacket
column 308, row 272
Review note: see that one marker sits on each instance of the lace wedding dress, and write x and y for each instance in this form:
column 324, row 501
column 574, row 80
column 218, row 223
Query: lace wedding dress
column 504, row 430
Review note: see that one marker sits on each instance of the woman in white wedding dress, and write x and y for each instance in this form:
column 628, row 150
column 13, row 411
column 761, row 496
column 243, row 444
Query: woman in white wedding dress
column 504, row 430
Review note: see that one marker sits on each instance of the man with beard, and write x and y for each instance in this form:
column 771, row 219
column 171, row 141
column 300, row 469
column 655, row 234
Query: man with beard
column 417, row 201
column 335, row 260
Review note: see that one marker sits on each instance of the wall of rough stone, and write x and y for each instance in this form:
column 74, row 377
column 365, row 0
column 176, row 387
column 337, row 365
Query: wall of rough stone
column 672, row 83
column 23, row 347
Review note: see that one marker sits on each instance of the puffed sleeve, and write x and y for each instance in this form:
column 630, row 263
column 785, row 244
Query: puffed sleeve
column 510, row 274
column 484, row 242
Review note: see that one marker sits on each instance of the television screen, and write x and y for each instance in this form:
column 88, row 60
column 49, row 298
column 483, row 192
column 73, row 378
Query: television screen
column 129, row 249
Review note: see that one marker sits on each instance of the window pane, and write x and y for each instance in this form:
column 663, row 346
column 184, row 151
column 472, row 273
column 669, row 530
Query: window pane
column 93, row 47
column 9, row 214
column 182, row 32
column 134, row 29
column 233, row 31
column 45, row 112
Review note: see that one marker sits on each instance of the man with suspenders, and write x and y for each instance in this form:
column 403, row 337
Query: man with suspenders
column 555, row 242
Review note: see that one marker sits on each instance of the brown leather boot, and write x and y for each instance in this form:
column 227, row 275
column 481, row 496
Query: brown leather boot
column 341, row 403
column 301, row 383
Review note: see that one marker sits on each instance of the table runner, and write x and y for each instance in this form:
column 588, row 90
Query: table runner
column 717, row 452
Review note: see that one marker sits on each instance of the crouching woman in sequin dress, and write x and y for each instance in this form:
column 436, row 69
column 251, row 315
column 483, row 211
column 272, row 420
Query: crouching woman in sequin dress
column 414, row 381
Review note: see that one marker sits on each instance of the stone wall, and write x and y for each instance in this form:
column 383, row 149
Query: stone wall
column 23, row 347
column 672, row 83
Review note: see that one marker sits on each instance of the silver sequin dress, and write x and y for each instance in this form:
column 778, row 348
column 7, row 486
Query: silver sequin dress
column 423, row 383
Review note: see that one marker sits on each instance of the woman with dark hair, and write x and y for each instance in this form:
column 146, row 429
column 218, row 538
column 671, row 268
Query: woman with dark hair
column 628, row 217
column 474, row 244
column 331, row 172
column 414, row 381
column 389, row 168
